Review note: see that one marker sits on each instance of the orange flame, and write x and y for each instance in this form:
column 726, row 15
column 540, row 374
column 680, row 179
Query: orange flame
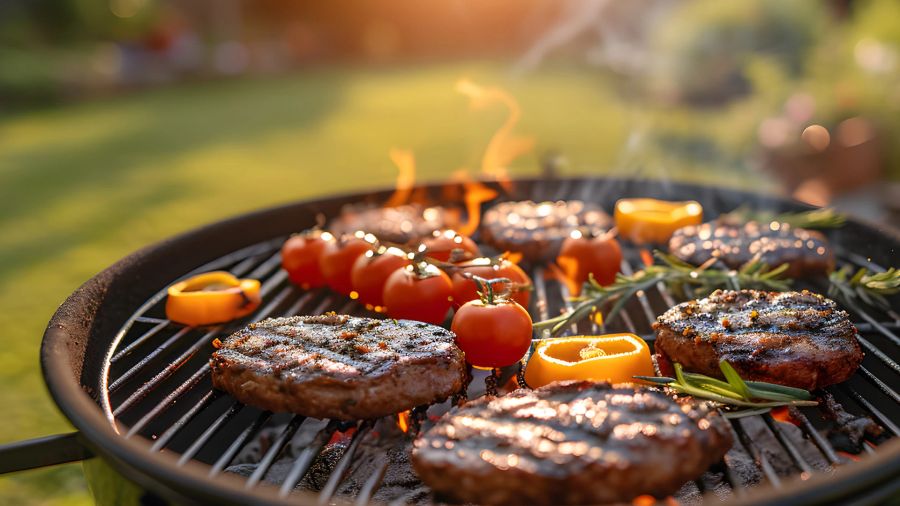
column 513, row 256
column 646, row 257
column 405, row 161
column 783, row 414
column 562, row 274
column 854, row 458
column 403, row 421
column 504, row 147
column 475, row 194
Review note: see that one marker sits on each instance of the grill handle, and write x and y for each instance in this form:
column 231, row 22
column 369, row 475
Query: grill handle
column 43, row 452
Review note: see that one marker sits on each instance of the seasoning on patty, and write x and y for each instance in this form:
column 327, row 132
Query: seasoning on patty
column 796, row 339
column 569, row 443
column 337, row 366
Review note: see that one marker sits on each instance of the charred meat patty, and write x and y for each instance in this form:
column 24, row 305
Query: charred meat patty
column 336, row 366
column 401, row 224
column 806, row 252
column 797, row 339
column 537, row 229
column 569, row 443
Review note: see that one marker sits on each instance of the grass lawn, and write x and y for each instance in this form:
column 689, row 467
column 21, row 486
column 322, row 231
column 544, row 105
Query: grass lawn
column 83, row 185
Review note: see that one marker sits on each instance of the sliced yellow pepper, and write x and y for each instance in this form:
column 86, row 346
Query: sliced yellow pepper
column 616, row 358
column 213, row 297
column 654, row 221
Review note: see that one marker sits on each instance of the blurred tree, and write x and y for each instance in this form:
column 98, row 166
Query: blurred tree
column 702, row 51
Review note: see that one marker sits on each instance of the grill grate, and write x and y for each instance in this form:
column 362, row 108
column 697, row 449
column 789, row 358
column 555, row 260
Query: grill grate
column 157, row 374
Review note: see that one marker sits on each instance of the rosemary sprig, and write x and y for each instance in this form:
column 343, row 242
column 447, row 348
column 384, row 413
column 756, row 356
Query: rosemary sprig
column 816, row 218
column 674, row 273
column 870, row 287
column 754, row 397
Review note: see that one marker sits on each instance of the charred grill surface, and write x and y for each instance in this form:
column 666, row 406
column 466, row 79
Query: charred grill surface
column 798, row 339
column 537, row 230
column 337, row 366
column 806, row 252
column 569, row 443
column 158, row 378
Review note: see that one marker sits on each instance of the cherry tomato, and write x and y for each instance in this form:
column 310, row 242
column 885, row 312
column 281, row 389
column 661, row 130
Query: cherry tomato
column 581, row 256
column 300, row 258
column 492, row 332
column 371, row 270
column 464, row 289
column 337, row 261
column 442, row 243
column 421, row 292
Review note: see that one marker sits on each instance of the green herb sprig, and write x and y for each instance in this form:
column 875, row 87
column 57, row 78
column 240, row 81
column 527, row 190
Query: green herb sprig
column 871, row 287
column 814, row 219
column 677, row 275
column 749, row 397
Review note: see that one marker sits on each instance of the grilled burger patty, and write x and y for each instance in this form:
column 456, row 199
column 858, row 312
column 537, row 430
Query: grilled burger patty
column 537, row 229
column 798, row 339
column 569, row 443
column 337, row 366
column 806, row 252
column 401, row 224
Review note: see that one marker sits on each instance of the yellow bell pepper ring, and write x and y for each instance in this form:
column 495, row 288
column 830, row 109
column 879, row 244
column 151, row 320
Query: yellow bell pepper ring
column 213, row 297
column 616, row 358
column 654, row 221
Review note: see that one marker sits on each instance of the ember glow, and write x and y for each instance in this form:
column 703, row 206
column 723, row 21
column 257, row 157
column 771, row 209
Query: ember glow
column 504, row 146
column 403, row 419
column 646, row 257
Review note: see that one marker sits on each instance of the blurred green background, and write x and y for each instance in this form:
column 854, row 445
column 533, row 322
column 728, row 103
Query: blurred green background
column 125, row 122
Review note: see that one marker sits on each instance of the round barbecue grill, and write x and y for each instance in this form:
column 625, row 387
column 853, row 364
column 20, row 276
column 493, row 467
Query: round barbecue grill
column 137, row 386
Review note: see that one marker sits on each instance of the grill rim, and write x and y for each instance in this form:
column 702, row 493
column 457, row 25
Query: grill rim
column 80, row 321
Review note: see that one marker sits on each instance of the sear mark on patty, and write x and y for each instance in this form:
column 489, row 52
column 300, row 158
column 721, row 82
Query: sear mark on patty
column 401, row 224
column 806, row 252
column 569, row 443
column 537, row 229
column 798, row 339
column 339, row 366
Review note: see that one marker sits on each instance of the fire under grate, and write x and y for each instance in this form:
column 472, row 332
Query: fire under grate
column 158, row 387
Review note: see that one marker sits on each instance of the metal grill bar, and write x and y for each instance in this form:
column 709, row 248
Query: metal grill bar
column 140, row 340
column 192, row 450
column 141, row 392
column 306, row 458
column 276, row 448
column 127, row 375
column 821, row 443
column 340, row 470
column 166, row 436
column 371, row 485
column 789, row 447
column 262, row 260
column 239, row 443
column 868, row 406
column 786, row 443
column 206, row 368
column 880, row 384
column 169, row 400
column 761, row 461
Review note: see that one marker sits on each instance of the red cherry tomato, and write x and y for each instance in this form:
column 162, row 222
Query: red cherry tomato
column 492, row 332
column 420, row 293
column 464, row 289
column 300, row 258
column 442, row 243
column 581, row 256
column 370, row 272
column 337, row 261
